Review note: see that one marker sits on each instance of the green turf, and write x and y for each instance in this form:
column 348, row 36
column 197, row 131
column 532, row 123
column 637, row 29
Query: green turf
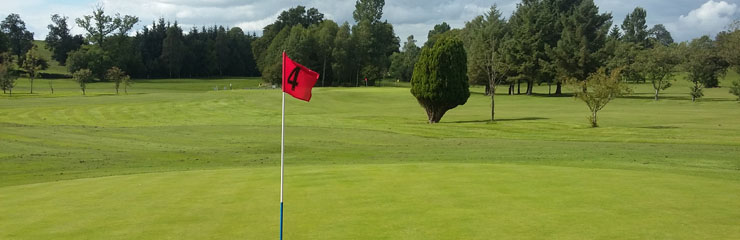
column 363, row 164
column 395, row 201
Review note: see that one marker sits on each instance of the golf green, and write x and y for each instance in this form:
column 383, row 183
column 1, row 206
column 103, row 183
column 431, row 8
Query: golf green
column 381, row 201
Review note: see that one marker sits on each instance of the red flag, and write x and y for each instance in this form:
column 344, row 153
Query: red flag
column 297, row 79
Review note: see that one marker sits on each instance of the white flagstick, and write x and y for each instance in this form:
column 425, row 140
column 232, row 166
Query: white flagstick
column 282, row 152
column 282, row 169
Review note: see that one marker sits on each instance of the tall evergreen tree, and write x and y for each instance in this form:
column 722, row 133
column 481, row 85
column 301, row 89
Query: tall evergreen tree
column 614, row 33
column 173, row 50
column 635, row 28
column 578, row 53
column 524, row 51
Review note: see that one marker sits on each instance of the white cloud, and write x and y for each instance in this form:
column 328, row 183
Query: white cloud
column 257, row 25
column 710, row 18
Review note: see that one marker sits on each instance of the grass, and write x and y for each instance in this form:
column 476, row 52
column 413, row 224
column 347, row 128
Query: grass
column 176, row 159
column 54, row 66
column 398, row 201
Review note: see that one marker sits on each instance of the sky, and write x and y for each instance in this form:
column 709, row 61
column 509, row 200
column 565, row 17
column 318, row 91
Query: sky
column 685, row 19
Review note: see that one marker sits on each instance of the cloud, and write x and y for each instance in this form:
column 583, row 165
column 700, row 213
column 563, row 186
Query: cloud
column 710, row 18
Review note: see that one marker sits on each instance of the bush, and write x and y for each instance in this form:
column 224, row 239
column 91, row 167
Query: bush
column 440, row 80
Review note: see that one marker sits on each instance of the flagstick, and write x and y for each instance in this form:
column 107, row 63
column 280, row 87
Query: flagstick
column 282, row 153
column 282, row 169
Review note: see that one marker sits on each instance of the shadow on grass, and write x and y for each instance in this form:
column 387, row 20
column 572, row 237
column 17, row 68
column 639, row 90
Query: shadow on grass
column 660, row 127
column 524, row 94
column 570, row 95
column 501, row 120
column 680, row 98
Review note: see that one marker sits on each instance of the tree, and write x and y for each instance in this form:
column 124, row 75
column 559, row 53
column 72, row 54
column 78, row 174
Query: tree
column 20, row 40
column 60, row 41
column 486, row 65
column 635, row 27
column 598, row 90
column 658, row 65
column 660, row 35
column 370, row 10
column 33, row 64
column 83, row 76
column 343, row 55
column 98, row 25
column 436, row 32
column 624, row 57
column 440, row 80
column 535, row 26
column 324, row 34
column 522, row 51
column 614, row 33
column 126, row 82
column 374, row 40
column 118, row 77
column 696, row 91
column 90, row 57
column 220, row 51
column 704, row 65
column 261, row 47
column 7, row 78
column 173, row 50
column 729, row 46
column 149, row 43
column 3, row 42
column 270, row 65
column 402, row 63
column 578, row 53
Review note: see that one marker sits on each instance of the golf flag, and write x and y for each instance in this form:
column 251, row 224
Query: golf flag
column 297, row 79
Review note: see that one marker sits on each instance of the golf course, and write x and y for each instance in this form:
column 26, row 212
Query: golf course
column 176, row 159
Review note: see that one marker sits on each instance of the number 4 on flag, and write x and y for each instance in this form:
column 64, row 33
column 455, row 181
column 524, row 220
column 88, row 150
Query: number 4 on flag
column 297, row 79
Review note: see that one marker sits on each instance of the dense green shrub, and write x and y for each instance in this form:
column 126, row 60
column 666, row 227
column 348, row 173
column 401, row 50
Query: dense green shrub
column 440, row 80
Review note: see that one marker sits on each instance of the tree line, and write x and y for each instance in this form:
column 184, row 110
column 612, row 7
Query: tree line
column 160, row 50
column 569, row 42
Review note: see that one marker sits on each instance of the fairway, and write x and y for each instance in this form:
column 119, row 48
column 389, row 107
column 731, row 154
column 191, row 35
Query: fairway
column 175, row 159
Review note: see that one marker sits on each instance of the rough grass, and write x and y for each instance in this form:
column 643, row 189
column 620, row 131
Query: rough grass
column 363, row 164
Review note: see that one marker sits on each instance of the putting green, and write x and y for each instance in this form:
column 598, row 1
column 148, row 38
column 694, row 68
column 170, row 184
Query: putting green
column 379, row 201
